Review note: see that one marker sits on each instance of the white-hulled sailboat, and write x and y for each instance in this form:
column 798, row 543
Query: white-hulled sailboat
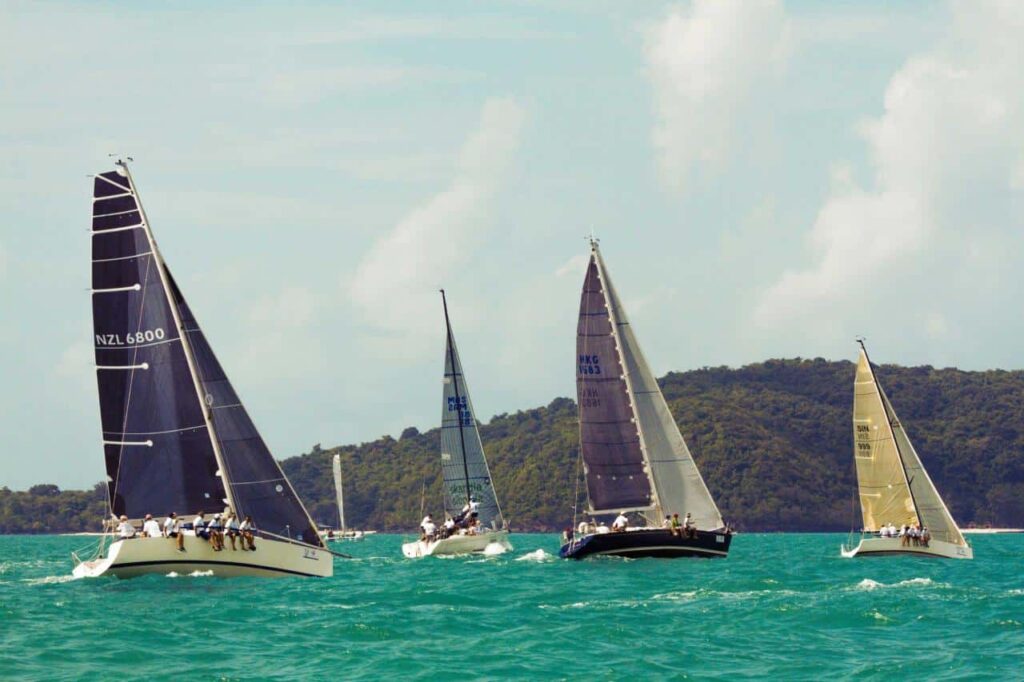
column 467, row 479
column 342, row 533
column 894, row 488
column 176, row 437
column 635, row 459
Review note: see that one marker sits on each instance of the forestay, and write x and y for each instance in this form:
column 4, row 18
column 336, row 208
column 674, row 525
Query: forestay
column 157, row 447
column 616, row 474
column 678, row 485
column 463, row 464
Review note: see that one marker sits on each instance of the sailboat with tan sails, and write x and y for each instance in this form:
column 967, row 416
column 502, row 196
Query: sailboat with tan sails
column 901, row 508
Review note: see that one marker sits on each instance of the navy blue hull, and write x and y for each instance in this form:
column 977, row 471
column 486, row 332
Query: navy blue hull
column 655, row 542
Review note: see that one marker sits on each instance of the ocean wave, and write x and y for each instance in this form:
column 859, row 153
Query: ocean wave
column 536, row 555
column 50, row 580
column 867, row 584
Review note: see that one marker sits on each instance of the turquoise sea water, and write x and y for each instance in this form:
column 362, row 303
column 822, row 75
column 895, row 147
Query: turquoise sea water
column 780, row 606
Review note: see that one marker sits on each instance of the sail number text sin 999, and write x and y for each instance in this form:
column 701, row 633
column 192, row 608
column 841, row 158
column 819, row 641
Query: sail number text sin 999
column 131, row 338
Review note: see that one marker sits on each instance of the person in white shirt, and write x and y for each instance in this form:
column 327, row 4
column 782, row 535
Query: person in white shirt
column 172, row 529
column 601, row 529
column 125, row 529
column 893, row 531
column 883, row 532
column 231, row 530
column 428, row 530
column 150, row 528
column 620, row 523
column 449, row 526
column 247, row 530
column 426, row 519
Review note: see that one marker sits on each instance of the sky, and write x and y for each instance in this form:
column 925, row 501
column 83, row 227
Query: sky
column 768, row 179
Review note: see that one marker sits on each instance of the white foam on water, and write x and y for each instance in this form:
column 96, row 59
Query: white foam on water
column 494, row 549
column 50, row 580
column 1016, row 592
column 869, row 584
column 193, row 574
column 879, row 616
column 676, row 596
column 536, row 555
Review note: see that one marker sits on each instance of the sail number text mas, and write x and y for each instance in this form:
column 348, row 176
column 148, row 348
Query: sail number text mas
column 590, row 364
column 131, row 338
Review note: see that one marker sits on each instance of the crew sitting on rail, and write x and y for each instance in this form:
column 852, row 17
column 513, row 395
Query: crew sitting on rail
column 125, row 529
column 621, row 523
column 150, row 527
column 216, row 530
column 675, row 525
column 247, row 530
column 689, row 527
column 428, row 529
column 449, row 527
column 667, row 523
column 231, row 530
column 172, row 529
column 199, row 526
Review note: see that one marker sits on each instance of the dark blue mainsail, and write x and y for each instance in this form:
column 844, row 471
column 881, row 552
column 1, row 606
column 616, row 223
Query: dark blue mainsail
column 174, row 430
column 610, row 442
column 258, row 486
column 158, row 453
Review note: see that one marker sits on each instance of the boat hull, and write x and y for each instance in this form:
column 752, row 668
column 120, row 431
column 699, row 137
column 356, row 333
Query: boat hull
column 490, row 543
column 649, row 542
column 272, row 558
column 877, row 547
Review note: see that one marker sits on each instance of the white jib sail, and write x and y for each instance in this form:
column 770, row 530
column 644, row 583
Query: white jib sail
column 338, row 492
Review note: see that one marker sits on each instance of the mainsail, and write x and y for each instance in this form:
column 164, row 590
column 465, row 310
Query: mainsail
column 894, row 486
column 635, row 456
column 176, row 435
column 463, row 464
column 339, row 495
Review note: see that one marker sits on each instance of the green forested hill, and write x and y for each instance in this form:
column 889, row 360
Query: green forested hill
column 772, row 439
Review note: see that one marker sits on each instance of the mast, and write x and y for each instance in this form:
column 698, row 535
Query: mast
column 888, row 421
column 614, row 319
column 186, row 343
column 458, row 398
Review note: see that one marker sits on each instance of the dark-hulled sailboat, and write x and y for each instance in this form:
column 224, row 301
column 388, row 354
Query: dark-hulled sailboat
column 467, row 479
column 634, row 457
column 176, row 437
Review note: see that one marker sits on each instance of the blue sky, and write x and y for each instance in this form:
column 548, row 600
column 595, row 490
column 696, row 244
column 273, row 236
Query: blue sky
column 768, row 179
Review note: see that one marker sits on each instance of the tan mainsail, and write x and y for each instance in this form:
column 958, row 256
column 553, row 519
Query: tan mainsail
column 894, row 487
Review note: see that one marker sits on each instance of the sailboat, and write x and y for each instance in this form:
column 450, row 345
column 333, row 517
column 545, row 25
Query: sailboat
column 893, row 484
column 467, row 479
column 176, row 437
column 635, row 460
column 343, row 533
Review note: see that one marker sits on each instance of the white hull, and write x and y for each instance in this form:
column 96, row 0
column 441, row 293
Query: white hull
column 348, row 536
column 272, row 558
column 875, row 546
column 492, row 542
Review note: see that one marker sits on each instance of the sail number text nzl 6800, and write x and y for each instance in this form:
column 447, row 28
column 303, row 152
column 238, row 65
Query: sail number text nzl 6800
column 131, row 338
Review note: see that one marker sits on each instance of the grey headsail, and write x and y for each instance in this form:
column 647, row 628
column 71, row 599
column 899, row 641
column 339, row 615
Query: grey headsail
column 616, row 472
column 463, row 464
column 159, row 457
column 258, row 486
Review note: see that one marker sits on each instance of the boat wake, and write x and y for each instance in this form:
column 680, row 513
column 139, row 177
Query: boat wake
column 51, row 580
column 868, row 584
column 538, row 555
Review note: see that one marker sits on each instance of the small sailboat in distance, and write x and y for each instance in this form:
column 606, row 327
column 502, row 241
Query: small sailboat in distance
column 635, row 459
column 176, row 437
column 343, row 533
column 902, row 511
column 480, row 526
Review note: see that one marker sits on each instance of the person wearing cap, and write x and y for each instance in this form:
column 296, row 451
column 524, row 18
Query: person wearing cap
column 621, row 523
column 172, row 529
column 428, row 528
column 150, row 528
column 125, row 529
column 216, row 530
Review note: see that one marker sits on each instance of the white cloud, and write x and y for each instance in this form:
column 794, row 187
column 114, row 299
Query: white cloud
column 573, row 267
column 706, row 60
column 3, row 260
column 281, row 342
column 945, row 154
column 395, row 284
